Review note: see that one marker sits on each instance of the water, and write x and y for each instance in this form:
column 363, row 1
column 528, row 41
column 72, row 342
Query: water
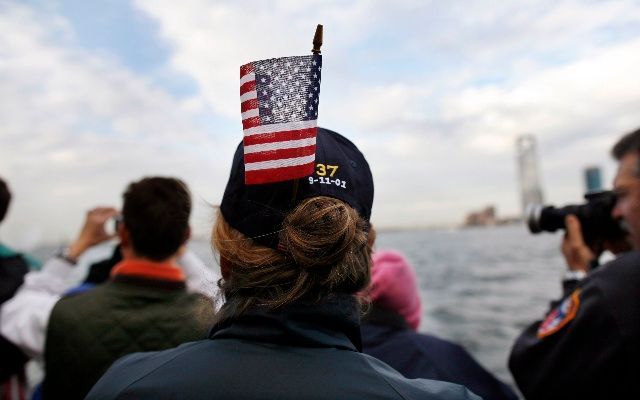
column 480, row 287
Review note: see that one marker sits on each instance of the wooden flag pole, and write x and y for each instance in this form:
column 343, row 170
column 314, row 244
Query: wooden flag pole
column 317, row 40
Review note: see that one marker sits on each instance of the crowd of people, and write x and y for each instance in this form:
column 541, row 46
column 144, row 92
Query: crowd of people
column 302, row 305
column 309, row 310
column 152, row 294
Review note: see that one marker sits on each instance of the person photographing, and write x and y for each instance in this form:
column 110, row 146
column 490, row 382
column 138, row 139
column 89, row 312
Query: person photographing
column 588, row 345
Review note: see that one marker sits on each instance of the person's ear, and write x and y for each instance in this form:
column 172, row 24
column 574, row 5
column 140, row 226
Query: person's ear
column 123, row 234
column 187, row 235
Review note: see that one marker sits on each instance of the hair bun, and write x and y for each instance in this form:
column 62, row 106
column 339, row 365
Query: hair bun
column 321, row 232
column 328, row 252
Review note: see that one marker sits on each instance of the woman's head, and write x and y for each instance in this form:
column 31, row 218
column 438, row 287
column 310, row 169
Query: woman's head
column 340, row 172
column 297, row 240
column 324, row 250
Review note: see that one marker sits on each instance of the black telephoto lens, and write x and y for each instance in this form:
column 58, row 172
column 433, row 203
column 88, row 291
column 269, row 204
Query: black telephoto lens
column 595, row 217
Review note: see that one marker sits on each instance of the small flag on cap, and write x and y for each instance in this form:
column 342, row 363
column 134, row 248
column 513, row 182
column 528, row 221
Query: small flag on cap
column 279, row 102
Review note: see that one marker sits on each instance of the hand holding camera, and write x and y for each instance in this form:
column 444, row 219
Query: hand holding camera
column 590, row 229
column 93, row 231
column 578, row 255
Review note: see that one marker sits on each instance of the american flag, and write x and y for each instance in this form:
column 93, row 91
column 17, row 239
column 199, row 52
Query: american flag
column 279, row 102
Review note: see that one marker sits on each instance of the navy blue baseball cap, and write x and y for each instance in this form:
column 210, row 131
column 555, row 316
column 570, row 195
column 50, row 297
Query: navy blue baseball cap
column 257, row 211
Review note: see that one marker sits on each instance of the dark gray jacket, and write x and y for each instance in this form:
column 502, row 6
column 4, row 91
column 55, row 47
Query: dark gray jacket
column 387, row 336
column 300, row 352
column 588, row 346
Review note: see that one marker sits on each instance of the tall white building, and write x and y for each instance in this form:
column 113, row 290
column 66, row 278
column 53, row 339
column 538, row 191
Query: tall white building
column 530, row 188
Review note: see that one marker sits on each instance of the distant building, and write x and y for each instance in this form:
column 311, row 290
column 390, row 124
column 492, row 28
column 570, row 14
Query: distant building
column 530, row 189
column 484, row 217
column 488, row 216
column 593, row 179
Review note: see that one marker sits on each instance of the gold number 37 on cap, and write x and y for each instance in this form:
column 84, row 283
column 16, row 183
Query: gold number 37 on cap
column 321, row 169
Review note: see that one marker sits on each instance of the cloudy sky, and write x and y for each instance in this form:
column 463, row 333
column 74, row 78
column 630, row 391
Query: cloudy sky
column 97, row 94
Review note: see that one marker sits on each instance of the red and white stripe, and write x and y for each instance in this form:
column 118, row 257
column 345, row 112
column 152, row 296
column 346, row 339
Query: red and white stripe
column 14, row 388
column 273, row 152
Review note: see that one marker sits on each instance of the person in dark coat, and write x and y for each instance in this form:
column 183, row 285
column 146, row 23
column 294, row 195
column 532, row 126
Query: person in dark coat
column 588, row 344
column 389, row 333
column 293, row 256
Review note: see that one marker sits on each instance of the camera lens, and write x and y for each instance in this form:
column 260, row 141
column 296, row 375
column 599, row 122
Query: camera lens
column 533, row 213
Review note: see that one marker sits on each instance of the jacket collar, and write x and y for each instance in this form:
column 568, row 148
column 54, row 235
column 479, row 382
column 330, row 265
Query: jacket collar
column 148, row 270
column 378, row 315
column 333, row 323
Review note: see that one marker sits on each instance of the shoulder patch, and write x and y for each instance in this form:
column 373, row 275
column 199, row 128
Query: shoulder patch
column 560, row 316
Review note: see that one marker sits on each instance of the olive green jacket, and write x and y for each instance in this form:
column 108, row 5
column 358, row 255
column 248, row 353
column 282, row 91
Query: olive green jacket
column 87, row 332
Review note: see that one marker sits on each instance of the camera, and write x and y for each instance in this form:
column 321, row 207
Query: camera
column 111, row 226
column 595, row 217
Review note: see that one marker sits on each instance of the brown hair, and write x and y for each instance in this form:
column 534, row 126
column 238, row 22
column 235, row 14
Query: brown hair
column 626, row 144
column 156, row 213
column 324, row 250
column 629, row 143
